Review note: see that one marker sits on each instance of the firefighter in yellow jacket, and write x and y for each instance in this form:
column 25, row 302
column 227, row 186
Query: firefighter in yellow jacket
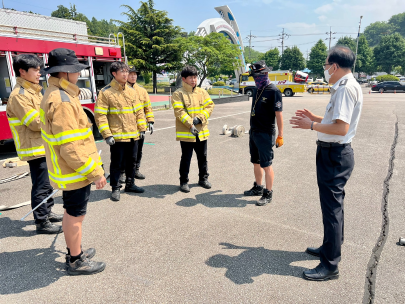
column 150, row 118
column 23, row 116
column 192, row 108
column 121, row 120
column 71, row 154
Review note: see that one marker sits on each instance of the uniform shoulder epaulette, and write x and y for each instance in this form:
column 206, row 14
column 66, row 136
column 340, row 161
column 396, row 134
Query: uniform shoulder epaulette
column 105, row 88
column 64, row 96
column 343, row 82
column 21, row 91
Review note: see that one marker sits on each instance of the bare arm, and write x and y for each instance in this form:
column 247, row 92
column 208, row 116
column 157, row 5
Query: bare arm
column 339, row 128
column 280, row 124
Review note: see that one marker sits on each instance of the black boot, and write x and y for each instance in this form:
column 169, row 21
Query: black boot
column 53, row 217
column 131, row 187
column 184, row 188
column 257, row 190
column 139, row 175
column 89, row 253
column 85, row 266
column 205, row 184
column 115, row 195
column 48, row 228
column 266, row 198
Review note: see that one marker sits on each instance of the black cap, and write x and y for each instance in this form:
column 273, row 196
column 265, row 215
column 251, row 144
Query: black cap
column 64, row 60
column 259, row 67
column 132, row 69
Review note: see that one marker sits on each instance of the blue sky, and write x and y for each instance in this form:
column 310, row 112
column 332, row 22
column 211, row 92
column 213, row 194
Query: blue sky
column 306, row 21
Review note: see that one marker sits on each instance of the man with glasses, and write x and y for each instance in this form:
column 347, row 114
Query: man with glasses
column 334, row 155
column 120, row 118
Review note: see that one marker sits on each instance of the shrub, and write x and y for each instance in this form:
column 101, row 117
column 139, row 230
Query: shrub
column 218, row 84
column 147, row 77
column 387, row 78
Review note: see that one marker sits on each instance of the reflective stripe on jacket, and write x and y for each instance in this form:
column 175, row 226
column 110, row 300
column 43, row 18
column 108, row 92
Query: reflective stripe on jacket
column 71, row 153
column 119, row 112
column 23, row 117
column 145, row 101
column 187, row 104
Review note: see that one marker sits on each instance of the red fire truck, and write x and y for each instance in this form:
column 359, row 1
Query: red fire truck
column 29, row 33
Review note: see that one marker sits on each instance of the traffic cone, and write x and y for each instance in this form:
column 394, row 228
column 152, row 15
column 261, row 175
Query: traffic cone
column 381, row 91
column 395, row 91
column 369, row 91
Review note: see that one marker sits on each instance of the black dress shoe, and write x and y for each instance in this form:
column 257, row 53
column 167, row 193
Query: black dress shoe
column 53, row 217
column 139, row 175
column 184, row 188
column 205, row 184
column 314, row 251
column 320, row 273
column 48, row 228
column 115, row 195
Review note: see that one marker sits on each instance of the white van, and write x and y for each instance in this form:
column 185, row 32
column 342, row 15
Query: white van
column 402, row 80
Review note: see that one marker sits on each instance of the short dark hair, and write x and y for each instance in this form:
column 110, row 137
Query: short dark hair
column 118, row 65
column 342, row 56
column 189, row 70
column 25, row 62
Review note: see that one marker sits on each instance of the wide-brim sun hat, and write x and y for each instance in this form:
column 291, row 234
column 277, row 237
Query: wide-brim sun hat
column 259, row 67
column 64, row 60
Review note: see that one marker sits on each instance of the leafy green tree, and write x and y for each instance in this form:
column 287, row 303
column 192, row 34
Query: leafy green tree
column 61, row 12
column 252, row 55
column 347, row 41
column 317, row 57
column 210, row 54
column 292, row 59
column 397, row 23
column 365, row 57
column 150, row 39
column 375, row 31
column 272, row 58
column 390, row 52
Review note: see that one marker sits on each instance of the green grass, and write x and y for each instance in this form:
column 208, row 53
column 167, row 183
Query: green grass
column 216, row 91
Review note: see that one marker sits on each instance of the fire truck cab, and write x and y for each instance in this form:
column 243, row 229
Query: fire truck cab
column 36, row 34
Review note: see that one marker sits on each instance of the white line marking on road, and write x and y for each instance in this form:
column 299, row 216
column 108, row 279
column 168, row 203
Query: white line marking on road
column 208, row 119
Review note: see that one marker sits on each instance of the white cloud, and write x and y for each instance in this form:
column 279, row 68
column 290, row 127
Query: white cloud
column 322, row 18
column 324, row 8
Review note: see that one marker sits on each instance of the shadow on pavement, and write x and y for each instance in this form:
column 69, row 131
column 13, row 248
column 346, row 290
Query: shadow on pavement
column 10, row 228
column 7, row 150
column 157, row 191
column 212, row 200
column 255, row 261
column 29, row 269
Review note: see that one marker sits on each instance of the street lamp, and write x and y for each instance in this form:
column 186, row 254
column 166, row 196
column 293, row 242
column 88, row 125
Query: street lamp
column 357, row 46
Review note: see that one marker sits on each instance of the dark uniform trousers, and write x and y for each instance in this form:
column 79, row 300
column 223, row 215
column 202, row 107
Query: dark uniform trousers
column 139, row 156
column 41, row 188
column 122, row 154
column 200, row 148
column 334, row 166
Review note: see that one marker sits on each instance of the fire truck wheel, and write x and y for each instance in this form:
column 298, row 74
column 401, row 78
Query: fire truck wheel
column 249, row 93
column 310, row 91
column 288, row 93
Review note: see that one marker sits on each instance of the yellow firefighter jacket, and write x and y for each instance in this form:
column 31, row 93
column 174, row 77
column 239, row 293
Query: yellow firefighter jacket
column 71, row 153
column 145, row 101
column 23, row 117
column 187, row 104
column 119, row 112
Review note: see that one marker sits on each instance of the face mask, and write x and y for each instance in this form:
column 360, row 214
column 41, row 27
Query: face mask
column 327, row 75
column 261, row 81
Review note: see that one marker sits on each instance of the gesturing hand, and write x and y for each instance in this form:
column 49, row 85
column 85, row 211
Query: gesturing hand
column 194, row 130
column 302, row 122
column 305, row 112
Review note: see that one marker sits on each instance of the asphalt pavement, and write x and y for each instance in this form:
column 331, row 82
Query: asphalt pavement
column 216, row 246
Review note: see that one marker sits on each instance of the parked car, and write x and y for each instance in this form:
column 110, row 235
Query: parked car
column 310, row 80
column 402, row 80
column 234, row 83
column 318, row 86
column 388, row 86
column 206, row 85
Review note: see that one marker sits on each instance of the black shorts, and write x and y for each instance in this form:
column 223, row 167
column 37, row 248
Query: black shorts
column 261, row 148
column 75, row 201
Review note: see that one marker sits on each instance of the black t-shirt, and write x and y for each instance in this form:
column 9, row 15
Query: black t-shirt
column 269, row 102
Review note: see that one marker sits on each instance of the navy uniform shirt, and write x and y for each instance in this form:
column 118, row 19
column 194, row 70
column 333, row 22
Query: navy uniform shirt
column 269, row 102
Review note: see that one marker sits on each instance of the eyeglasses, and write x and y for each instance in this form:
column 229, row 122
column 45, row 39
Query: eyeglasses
column 324, row 67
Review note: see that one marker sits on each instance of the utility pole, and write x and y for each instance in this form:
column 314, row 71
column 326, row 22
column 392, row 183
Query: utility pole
column 330, row 36
column 283, row 36
column 2, row 2
column 357, row 46
column 307, row 55
column 250, row 43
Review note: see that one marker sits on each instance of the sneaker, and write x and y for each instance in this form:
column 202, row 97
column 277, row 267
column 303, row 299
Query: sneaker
column 184, row 188
column 48, row 228
column 257, row 190
column 205, row 184
column 266, row 198
column 121, row 180
column 115, row 195
column 85, row 266
column 53, row 217
column 134, row 188
column 89, row 253
column 139, row 175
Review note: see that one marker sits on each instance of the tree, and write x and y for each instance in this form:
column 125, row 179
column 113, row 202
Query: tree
column 210, row 54
column 390, row 52
column 150, row 39
column 397, row 23
column 61, row 12
column 272, row 58
column 365, row 57
column 252, row 55
column 347, row 41
column 292, row 59
column 375, row 31
column 317, row 57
